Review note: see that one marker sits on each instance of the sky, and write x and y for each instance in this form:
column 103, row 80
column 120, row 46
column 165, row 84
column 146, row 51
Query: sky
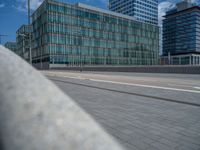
column 13, row 13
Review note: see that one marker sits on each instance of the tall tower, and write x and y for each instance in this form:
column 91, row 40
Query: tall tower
column 142, row 10
column 181, row 34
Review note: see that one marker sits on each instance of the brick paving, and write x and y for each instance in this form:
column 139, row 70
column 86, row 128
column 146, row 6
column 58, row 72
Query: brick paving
column 138, row 122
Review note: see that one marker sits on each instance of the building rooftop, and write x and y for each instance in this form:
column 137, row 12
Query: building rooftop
column 24, row 28
column 185, row 10
column 183, row 6
column 10, row 43
column 96, row 9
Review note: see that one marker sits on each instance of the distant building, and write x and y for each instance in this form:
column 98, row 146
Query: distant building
column 181, row 35
column 12, row 46
column 143, row 10
column 74, row 35
column 22, row 40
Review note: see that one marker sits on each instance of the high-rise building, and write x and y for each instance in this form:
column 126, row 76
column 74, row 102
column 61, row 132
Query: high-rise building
column 12, row 46
column 181, row 34
column 22, row 40
column 143, row 10
column 74, row 35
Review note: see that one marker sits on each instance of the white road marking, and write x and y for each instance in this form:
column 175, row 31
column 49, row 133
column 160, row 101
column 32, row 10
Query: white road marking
column 132, row 84
column 148, row 86
column 180, row 85
column 80, row 78
column 197, row 88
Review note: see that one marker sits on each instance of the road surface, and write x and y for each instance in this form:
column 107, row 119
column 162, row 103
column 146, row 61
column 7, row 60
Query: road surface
column 142, row 111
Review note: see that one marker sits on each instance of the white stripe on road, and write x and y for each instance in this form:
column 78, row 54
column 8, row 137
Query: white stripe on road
column 197, row 88
column 148, row 86
column 132, row 84
column 80, row 78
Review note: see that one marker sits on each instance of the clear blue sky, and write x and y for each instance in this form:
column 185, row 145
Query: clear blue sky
column 13, row 13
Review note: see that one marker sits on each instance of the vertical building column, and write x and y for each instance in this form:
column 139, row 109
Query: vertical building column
column 193, row 60
column 169, row 59
column 199, row 60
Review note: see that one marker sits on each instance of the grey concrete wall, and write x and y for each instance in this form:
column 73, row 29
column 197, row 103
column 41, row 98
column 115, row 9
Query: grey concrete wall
column 141, row 69
column 36, row 115
column 44, row 65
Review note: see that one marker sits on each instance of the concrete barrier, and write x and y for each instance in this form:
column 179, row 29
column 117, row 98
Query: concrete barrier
column 139, row 69
column 36, row 115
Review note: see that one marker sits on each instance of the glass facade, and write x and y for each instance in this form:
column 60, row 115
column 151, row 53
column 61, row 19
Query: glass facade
column 181, row 31
column 81, row 34
column 143, row 10
column 184, row 59
column 12, row 46
column 22, row 41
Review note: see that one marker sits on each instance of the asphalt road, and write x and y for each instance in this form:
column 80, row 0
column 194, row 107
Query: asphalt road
column 142, row 111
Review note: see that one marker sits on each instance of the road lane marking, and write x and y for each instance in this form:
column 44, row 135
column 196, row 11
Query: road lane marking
column 73, row 77
column 126, row 92
column 133, row 84
column 148, row 86
column 197, row 88
column 180, row 85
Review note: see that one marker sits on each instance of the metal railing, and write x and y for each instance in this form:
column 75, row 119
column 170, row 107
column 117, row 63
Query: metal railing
column 36, row 115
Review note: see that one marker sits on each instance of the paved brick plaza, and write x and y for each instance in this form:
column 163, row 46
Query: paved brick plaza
column 140, row 118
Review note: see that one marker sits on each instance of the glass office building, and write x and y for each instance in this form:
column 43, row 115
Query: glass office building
column 70, row 35
column 181, row 33
column 181, row 59
column 22, row 40
column 12, row 46
column 143, row 10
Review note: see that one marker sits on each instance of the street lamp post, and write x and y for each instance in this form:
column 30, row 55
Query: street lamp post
column 23, row 53
column 29, row 24
column 81, row 67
